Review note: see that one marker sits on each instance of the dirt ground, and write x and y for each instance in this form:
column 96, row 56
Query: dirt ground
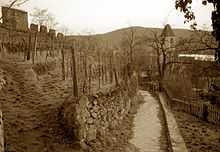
column 30, row 106
column 116, row 140
column 198, row 135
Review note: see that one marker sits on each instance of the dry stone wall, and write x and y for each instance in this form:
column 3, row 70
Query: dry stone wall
column 91, row 116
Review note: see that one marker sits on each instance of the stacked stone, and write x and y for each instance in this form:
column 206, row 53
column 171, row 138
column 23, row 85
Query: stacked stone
column 94, row 115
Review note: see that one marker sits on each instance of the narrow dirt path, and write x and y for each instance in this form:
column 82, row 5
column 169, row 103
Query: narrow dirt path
column 149, row 135
column 31, row 110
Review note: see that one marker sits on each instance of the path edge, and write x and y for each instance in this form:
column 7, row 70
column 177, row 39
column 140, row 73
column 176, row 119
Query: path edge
column 175, row 139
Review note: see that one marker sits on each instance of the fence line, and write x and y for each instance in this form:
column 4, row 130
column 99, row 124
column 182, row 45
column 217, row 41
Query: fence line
column 201, row 110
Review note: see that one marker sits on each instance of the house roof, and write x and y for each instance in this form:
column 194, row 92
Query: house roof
column 167, row 31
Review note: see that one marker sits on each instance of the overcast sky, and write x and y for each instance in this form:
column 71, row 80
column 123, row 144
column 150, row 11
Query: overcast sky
column 101, row 16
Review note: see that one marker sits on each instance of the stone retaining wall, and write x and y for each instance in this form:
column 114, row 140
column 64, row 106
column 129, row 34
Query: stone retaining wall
column 176, row 142
column 92, row 116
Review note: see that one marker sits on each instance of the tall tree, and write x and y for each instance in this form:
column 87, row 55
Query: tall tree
column 129, row 42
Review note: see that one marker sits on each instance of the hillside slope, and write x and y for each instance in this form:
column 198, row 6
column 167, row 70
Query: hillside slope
column 114, row 38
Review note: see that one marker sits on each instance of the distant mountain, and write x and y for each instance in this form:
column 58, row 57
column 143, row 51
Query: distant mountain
column 115, row 37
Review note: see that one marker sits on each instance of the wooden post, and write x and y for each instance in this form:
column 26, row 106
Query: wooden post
column 63, row 64
column 85, row 73
column 106, row 67
column 35, row 47
column 90, row 78
column 102, row 73
column 24, row 48
column 74, row 76
column 30, row 46
column 116, row 77
column 99, row 69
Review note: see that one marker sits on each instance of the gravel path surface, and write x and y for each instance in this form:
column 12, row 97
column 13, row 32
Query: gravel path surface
column 148, row 126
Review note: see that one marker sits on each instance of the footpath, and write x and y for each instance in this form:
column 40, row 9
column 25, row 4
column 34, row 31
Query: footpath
column 148, row 127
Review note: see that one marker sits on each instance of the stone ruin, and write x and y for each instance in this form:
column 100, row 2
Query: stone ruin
column 15, row 19
column 92, row 116
column 15, row 33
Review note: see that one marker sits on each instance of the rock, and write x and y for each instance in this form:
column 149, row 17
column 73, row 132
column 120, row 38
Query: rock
column 95, row 96
column 90, row 121
column 95, row 109
column 81, row 133
column 84, row 146
column 89, row 106
column 94, row 115
column 102, row 131
column 91, row 134
column 83, row 102
column 95, row 102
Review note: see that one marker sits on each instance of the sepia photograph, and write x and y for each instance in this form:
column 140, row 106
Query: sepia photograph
column 109, row 76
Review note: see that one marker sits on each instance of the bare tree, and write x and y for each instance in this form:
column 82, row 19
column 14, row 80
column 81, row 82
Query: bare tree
column 158, row 44
column 129, row 43
column 197, row 42
column 43, row 17
column 164, row 54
